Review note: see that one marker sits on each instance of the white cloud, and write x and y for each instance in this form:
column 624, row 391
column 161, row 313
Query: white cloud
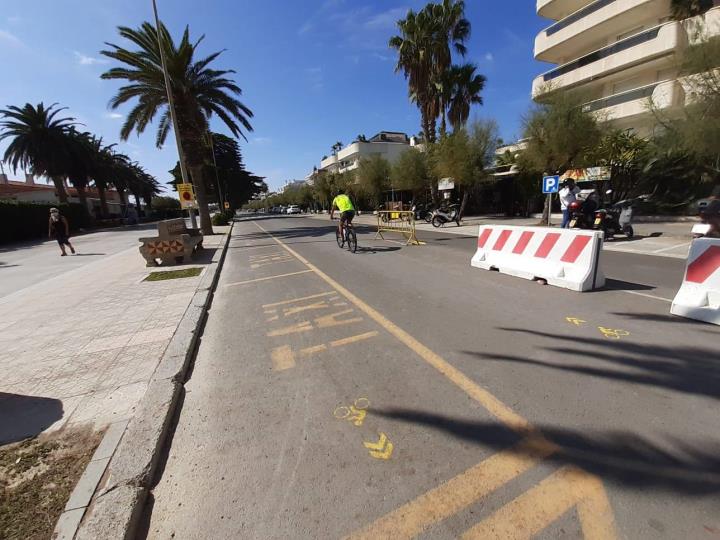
column 386, row 20
column 85, row 60
column 383, row 57
column 113, row 116
column 489, row 57
column 12, row 39
column 14, row 19
column 262, row 140
column 314, row 76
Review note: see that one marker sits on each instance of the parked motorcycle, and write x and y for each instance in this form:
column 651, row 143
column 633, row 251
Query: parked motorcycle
column 441, row 216
column 617, row 219
column 422, row 212
column 580, row 218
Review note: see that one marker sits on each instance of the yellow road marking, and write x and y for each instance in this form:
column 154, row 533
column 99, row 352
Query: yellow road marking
column 317, row 305
column 536, row 509
column 267, row 278
column 493, row 405
column 612, row 333
column 273, row 318
column 282, row 358
column 294, row 300
column 459, row 492
column 309, row 351
column 575, row 321
column 352, row 339
column 298, row 328
column 328, row 321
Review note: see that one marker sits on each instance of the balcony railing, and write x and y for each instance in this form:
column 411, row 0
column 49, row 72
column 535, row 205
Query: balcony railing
column 576, row 16
column 627, row 43
column 618, row 99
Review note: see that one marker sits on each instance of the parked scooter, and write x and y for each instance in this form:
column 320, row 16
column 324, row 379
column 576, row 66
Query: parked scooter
column 441, row 216
column 580, row 218
column 617, row 219
column 422, row 212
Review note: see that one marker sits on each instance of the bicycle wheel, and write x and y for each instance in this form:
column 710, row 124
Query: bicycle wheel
column 352, row 240
column 339, row 238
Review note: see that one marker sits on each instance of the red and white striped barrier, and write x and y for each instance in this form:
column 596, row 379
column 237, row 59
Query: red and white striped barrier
column 699, row 294
column 568, row 258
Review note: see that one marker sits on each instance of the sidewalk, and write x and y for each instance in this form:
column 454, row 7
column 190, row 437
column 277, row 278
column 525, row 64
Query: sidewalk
column 80, row 348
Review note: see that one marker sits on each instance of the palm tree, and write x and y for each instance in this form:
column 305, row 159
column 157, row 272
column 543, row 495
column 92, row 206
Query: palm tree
column 684, row 9
column 414, row 46
column 466, row 86
column 79, row 165
column 198, row 92
column 39, row 141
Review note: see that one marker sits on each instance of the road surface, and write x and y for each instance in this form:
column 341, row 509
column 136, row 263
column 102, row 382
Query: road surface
column 400, row 393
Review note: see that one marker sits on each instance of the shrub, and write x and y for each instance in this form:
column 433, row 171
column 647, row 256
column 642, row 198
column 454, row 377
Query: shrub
column 29, row 221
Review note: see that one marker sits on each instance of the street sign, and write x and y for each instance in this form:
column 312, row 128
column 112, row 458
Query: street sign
column 551, row 184
column 187, row 196
column 445, row 184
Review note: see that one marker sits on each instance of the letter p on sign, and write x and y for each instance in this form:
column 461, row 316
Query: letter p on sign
column 551, row 184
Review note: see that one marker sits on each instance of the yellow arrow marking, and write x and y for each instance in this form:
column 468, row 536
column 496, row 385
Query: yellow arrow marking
column 535, row 510
column 575, row 321
column 382, row 449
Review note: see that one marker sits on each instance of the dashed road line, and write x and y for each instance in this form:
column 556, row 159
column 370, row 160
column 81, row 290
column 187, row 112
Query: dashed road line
column 266, row 278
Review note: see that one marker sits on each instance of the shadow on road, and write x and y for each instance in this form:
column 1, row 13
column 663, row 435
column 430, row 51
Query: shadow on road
column 625, row 458
column 26, row 416
column 688, row 369
column 620, row 285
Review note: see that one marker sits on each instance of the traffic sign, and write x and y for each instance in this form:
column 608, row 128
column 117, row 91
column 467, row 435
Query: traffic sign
column 187, row 196
column 551, row 184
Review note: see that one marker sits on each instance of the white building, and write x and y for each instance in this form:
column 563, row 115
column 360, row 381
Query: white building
column 290, row 184
column 388, row 144
column 620, row 53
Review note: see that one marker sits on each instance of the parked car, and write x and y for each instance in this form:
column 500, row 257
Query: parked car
column 294, row 209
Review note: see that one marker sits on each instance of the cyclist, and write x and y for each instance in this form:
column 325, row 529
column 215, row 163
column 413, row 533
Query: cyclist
column 345, row 206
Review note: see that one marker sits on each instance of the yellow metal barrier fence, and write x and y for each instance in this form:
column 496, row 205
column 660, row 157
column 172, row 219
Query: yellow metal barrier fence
column 398, row 221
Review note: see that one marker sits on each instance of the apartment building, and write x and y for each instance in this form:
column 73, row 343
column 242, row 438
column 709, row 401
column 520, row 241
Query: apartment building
column 388, row 144
column 619, row 54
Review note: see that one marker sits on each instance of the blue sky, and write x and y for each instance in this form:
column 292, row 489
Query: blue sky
column 312, row 71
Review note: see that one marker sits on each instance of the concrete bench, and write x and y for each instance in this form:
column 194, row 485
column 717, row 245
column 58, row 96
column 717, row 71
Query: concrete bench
column 175, row 242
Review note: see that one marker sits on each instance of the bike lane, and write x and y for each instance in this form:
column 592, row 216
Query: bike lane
column 295, row 425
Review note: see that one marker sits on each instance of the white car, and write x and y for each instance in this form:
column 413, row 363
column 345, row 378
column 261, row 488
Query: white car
column 294, row 209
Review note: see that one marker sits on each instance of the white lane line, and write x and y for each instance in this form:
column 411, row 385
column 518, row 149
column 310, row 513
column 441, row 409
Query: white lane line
column 684, row 244
column 636, row 293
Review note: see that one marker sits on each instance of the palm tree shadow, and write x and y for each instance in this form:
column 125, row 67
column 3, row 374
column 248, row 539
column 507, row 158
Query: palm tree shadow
column 26, row 416
column 621, row 457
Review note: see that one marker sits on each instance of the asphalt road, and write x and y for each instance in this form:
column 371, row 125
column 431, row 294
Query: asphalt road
column 400, row 393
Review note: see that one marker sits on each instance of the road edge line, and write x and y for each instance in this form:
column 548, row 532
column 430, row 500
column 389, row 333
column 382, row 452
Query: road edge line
column 116, row 507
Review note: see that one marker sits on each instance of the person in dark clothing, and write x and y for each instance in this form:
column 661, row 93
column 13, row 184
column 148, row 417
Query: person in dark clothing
column 59, row 228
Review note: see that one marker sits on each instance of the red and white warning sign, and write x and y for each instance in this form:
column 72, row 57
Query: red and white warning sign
column 699, row 294
column 187, row 196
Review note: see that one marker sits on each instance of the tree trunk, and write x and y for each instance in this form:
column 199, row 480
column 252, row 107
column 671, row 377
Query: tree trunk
column 60, row 189
column 443, row 125
column 82, row 195
column 199, row 184
column 546, row 211
column 104, row 211
column 463, row 204
column 137, row 203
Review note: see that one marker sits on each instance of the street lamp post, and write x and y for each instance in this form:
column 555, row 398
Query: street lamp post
column 171, row 106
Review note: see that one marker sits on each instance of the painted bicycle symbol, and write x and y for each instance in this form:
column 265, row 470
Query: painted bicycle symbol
column 612, row 333
column 355, row 413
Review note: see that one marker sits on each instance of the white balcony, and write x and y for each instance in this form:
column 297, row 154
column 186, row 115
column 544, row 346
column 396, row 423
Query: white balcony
column 640, row 49
column 594, row 23
column 329, row 163
column 637, row 102
column 558, row 9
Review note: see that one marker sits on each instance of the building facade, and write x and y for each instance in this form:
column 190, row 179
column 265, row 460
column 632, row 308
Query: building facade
column 388, row 144
column 620, row 54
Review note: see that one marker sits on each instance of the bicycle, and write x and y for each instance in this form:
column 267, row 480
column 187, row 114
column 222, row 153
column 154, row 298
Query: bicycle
column 347, row 234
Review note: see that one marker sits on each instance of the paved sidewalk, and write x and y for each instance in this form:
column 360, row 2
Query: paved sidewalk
column 81, row 347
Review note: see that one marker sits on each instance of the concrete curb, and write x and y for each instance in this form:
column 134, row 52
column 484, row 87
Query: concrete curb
column 109, row 498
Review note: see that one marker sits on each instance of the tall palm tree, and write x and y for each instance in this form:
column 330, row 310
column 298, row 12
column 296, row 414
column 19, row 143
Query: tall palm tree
column 684, row 9
column 465, row 91
column 39, row 141
column 414, row 46
column 198, row 92
column 79, row 165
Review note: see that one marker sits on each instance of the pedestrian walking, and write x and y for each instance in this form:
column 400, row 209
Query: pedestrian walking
column 59, row 228
column 567, row 194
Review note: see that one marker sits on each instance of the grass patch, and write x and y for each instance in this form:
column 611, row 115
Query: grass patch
column 173, row 274
column 37, row 477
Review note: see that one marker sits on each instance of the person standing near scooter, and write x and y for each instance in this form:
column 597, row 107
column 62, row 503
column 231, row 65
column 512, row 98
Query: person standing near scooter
column 568, row 194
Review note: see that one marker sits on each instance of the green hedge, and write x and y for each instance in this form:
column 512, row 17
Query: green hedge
column 29, row 221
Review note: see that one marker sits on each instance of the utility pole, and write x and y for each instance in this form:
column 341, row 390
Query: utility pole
column 221, row 200
column 171, row 106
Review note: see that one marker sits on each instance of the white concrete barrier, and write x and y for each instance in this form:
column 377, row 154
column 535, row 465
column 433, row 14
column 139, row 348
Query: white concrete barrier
column 568, row 258
column 699, row 294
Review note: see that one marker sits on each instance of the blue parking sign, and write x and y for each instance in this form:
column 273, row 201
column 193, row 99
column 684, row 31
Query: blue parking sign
column 551, row 184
